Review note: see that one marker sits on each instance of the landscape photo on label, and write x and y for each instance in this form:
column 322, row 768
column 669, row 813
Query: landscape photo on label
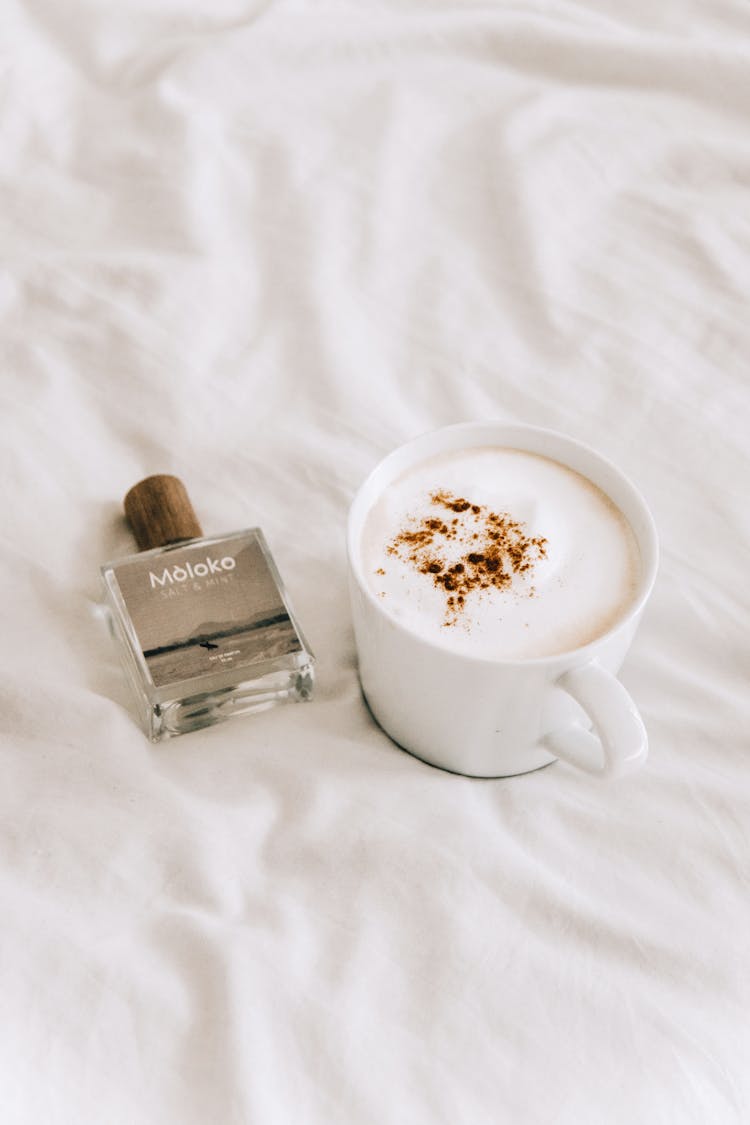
column 190, row 628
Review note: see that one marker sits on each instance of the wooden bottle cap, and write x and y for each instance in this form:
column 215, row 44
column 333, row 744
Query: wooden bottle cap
column 159, row 512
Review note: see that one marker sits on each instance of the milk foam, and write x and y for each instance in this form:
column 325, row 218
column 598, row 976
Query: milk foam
column 572, row 593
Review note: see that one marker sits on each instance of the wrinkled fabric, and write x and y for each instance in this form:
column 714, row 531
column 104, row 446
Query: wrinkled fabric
column 258, row 245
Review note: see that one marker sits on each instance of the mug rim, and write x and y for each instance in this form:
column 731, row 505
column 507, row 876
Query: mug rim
column 579, row 653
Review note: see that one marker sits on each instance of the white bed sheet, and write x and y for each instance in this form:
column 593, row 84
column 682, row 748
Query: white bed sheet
column 259, row 245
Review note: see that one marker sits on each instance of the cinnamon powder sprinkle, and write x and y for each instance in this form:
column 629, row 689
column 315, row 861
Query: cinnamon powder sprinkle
column 494, row 548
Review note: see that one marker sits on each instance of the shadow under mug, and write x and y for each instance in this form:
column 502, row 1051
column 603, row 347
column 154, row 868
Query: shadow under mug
column 484, row 717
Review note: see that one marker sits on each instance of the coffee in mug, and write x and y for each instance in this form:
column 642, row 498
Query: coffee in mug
column 500, row 553
column 498, row 574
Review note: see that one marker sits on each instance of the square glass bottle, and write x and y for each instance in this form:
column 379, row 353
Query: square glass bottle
column 204, row 625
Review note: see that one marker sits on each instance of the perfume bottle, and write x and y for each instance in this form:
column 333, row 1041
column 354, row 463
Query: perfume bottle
column 204, row 624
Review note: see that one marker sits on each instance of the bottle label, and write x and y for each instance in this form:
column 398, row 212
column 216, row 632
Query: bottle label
column 205, row 606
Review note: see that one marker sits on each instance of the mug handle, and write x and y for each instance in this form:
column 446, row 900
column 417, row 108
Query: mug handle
column 620, row 743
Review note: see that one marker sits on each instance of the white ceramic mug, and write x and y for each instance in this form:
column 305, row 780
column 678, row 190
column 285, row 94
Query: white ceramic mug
column 493, row 718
